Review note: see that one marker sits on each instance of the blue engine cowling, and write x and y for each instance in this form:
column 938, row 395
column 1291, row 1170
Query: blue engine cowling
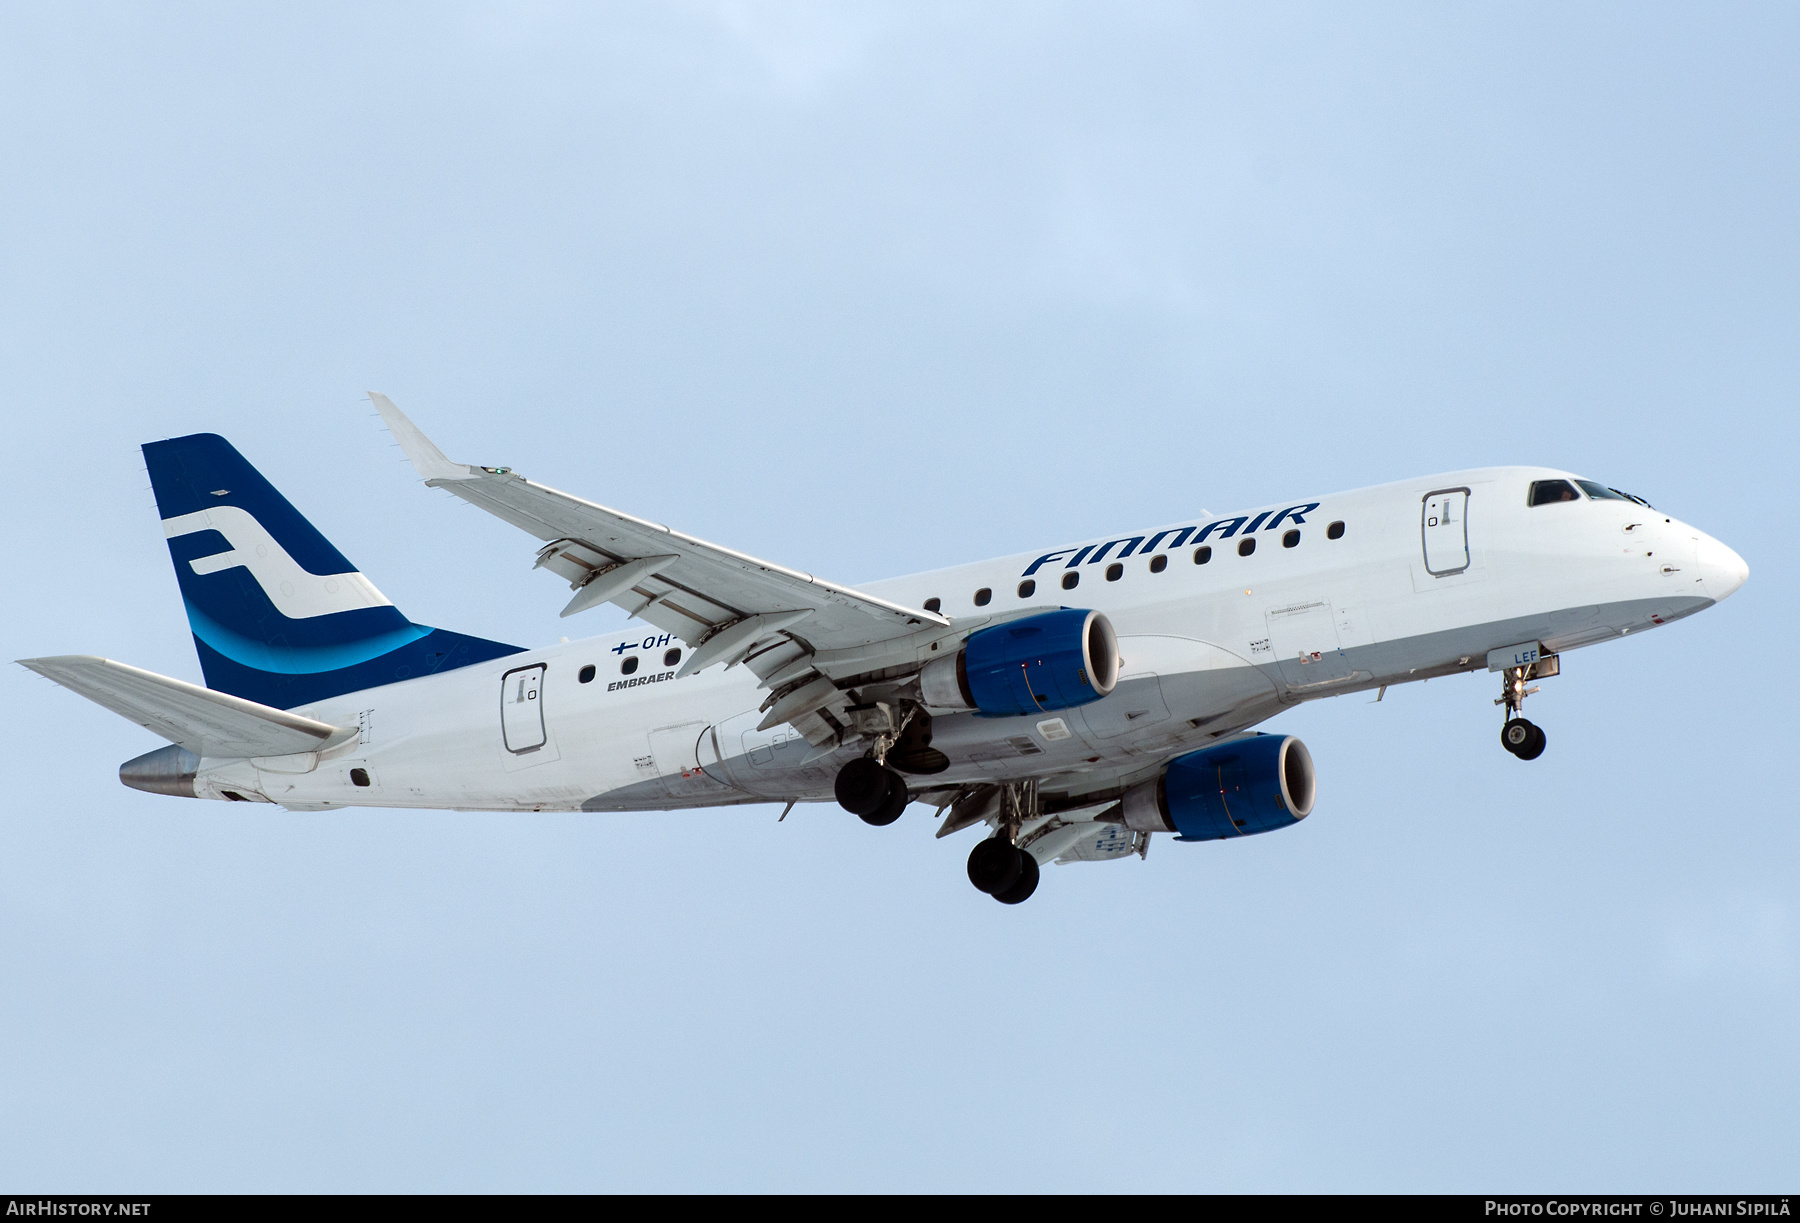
column 1255, row 784
column 1055, row 660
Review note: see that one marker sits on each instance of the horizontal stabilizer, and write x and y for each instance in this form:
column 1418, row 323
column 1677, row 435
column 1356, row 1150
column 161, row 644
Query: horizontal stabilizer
column 205, row 722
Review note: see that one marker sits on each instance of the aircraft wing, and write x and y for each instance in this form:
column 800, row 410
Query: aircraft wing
column 791, row 628
column 205, row 722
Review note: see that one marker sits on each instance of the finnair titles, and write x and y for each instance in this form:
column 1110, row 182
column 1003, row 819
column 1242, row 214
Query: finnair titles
column 1073, row 703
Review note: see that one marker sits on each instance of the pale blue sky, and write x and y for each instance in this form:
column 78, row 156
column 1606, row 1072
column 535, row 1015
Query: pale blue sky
column 867, row 290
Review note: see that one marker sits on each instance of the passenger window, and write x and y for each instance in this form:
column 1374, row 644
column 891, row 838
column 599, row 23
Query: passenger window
column 1115, row 571
column 1158, row 564
column 628, row 666
column 1027, row 588
column 1599, row 492
column 1247, row 545
column 671, row 657
column 587, row 674
column 934, row 604
column 359, row 777
column 983, row 596
column 1335, row 531
column 1202, row 555
column 1548, row 492
column 1071, row 580
column 1291, row 539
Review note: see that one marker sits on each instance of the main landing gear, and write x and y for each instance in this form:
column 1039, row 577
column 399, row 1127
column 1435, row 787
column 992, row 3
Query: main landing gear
column 870, row 787
column 867, row 788
column 1003, row 870
column 1000, row 866
column 1523, row 739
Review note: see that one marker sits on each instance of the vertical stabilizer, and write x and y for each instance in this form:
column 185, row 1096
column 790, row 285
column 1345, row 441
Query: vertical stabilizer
column 279, row 616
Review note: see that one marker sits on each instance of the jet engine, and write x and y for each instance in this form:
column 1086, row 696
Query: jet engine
column 1255, row 784
column 1054, row 660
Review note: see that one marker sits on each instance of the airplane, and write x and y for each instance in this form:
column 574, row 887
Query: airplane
column 1075, row 701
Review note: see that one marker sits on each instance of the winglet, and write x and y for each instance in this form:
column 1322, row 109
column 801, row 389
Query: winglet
column 426, row 458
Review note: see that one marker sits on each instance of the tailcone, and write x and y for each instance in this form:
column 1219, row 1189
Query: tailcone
column 167, row 770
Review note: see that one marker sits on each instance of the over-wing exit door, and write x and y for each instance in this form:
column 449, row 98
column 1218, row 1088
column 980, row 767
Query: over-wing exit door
column 1444, row 523
column 522, row 709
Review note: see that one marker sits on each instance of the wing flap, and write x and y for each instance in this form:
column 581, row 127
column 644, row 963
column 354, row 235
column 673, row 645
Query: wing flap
column 205, row 722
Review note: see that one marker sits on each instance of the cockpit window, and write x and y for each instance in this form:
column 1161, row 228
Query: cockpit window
column 1600, row 492
column 1545, row 492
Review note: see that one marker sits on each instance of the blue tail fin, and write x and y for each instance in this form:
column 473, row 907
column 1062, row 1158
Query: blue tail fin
column 279, row 616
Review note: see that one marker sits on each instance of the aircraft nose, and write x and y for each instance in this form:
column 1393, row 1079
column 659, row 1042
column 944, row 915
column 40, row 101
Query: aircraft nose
column 1722, row 571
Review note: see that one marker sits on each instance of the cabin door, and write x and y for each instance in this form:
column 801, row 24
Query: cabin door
column 522, row 709
column 1444, row 523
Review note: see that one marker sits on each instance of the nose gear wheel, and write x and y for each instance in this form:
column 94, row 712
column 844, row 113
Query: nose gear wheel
column 1526, row 740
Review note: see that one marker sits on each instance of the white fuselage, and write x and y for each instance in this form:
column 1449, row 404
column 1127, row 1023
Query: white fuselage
column 1207, row 651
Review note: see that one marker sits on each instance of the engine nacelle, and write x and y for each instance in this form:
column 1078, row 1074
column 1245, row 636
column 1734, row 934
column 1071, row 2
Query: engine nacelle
column 1055, row 660
column 1250, row 785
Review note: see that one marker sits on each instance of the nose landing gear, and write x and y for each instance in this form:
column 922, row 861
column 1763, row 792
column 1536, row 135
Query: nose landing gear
column 1524, row 739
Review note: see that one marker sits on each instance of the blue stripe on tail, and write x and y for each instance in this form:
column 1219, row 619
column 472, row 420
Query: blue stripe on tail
column 278, row 615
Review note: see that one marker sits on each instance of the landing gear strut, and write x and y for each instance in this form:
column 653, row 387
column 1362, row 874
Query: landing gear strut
column 900, row 738
column 1523, row 739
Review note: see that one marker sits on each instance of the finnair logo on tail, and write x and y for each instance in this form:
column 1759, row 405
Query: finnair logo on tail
column 296, row 594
